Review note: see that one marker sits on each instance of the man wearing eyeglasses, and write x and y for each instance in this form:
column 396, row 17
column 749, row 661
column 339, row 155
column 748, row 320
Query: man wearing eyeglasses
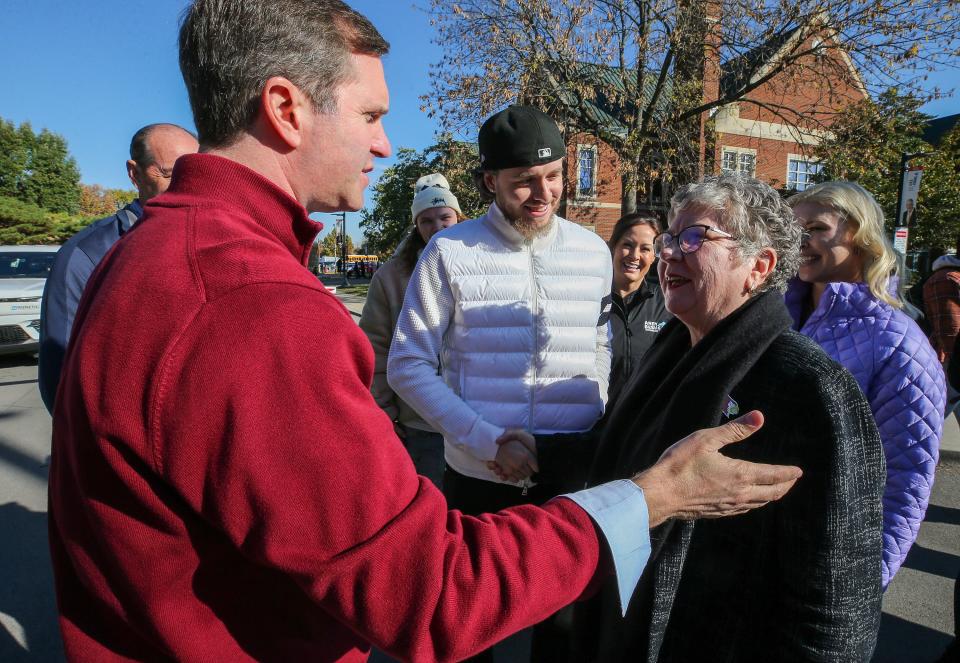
column 153, row 151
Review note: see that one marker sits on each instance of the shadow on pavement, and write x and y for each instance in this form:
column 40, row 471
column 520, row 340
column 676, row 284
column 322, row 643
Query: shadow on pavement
column 26, row 588
column 902, row 641
column 938, row 563
column 17, row 382
column 942, row 514
column 10, row 455
column 8, row 361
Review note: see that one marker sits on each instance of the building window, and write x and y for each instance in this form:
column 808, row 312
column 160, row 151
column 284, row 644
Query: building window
column 587, row 170
column 739, row 160
column 801, row 173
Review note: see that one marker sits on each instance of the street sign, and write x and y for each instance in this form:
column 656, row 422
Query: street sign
column 900, row 239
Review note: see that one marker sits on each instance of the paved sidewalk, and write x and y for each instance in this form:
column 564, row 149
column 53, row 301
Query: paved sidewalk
column 950, row 442
column 354, row 304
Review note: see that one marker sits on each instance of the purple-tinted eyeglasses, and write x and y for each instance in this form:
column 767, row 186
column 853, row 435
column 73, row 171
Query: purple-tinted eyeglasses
column 689, row 240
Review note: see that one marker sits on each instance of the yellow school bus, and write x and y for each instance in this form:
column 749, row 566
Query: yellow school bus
column 356, row 257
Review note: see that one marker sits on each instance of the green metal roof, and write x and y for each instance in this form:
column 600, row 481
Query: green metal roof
column 606, row 112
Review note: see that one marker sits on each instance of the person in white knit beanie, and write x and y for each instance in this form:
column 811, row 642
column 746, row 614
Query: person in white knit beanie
column 433, row 191
column 434, row 208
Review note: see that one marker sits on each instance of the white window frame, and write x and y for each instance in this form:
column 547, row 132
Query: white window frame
column 739, row 151
column 799, row 157
column 591, row 147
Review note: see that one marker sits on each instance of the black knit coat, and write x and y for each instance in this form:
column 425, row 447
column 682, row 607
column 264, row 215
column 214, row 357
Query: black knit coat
column 797, row 580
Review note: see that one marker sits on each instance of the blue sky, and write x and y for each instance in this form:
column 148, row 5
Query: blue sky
column 97, row 71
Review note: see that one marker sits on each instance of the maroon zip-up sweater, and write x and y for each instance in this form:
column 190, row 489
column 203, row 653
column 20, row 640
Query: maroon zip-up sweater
column 224, row 488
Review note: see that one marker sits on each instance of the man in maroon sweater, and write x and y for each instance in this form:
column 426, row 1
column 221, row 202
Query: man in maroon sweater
column 215, row 496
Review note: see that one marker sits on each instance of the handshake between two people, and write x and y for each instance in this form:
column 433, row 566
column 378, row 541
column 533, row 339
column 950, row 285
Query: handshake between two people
column 692, row 479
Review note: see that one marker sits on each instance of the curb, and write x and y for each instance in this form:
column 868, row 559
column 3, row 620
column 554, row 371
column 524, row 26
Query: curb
column 949, row 456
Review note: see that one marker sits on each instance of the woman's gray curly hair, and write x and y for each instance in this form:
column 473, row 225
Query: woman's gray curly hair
column 754, row 213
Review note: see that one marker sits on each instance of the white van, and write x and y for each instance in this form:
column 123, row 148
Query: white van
column 23, row 273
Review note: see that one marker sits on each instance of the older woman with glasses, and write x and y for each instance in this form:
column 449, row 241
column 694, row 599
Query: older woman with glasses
column 795, row 580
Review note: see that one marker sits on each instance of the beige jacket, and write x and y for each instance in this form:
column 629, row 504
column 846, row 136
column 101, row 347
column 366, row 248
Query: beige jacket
column 378, row 320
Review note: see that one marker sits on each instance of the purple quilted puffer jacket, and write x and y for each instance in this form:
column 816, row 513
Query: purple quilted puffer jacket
column 898, row 371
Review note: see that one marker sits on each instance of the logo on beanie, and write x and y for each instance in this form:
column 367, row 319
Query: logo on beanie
column 544, row 152
column 438, row 201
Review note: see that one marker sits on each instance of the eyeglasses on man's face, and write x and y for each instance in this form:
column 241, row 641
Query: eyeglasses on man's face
column 160, row 171
column 689, row 240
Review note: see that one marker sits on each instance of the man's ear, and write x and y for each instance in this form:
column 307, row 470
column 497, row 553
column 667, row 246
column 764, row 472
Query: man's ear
column 763, row 265
column 284, row 108
column 490, row 181
column 133, row 173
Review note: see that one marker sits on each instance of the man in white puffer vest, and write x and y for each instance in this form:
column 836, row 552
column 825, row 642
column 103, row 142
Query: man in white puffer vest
column 505, row 321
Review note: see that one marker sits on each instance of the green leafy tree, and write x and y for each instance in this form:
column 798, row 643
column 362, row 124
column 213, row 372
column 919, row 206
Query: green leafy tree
column 385, row 225
column 329, row 245
column 867, row 143
column 38, row 168
column 26, row 223
column 938, row 219
column 14, row 156
column 53, row 181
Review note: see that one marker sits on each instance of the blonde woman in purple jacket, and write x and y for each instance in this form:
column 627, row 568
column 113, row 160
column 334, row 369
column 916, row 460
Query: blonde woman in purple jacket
column 843, row 300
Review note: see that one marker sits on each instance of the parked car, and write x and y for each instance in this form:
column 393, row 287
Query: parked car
column 23, row 273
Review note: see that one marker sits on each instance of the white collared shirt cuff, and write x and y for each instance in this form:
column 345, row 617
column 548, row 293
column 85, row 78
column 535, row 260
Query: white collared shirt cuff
column 619, row 509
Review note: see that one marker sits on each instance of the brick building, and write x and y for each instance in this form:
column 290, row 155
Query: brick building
column 769, row 135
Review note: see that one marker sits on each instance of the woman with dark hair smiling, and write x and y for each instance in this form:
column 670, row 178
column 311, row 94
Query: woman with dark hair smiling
column 637, row 312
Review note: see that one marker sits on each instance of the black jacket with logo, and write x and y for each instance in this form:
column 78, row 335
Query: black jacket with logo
column 634, row 322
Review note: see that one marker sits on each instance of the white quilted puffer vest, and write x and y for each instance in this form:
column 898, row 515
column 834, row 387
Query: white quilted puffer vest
column 522, row 347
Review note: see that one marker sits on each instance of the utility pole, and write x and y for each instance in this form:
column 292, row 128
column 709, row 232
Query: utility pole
column 342, row 227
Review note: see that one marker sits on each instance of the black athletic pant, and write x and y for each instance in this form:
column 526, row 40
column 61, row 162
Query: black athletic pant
column 476, row 496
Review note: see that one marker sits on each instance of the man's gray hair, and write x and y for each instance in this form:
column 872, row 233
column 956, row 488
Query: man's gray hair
column 754, row 213
column 229, row 48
